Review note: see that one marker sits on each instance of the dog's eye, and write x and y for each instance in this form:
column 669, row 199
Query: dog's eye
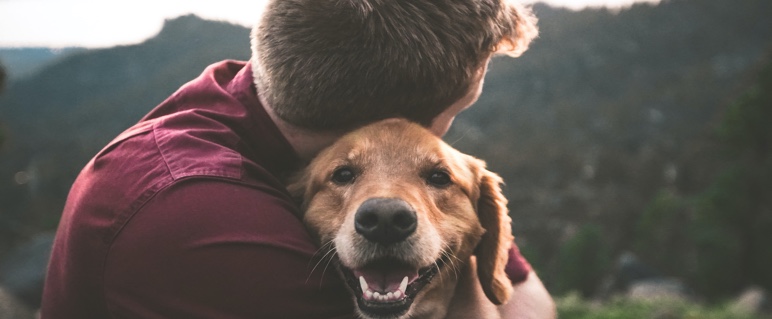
column 343, row 175
column 439, row 179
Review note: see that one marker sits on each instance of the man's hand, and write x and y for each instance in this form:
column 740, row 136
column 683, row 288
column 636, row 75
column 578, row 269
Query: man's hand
column 529, row 300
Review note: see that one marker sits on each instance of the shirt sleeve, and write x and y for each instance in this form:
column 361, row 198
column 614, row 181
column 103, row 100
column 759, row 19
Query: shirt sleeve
column 517, row 268
column 215, row 249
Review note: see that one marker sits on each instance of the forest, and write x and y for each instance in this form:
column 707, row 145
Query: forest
column 642, row 134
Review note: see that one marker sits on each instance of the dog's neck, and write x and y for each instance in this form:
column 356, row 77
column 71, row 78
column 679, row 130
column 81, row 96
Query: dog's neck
column 306, row 143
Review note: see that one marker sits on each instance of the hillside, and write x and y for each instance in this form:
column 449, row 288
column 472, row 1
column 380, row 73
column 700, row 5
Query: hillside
column 23, row 62
column 605, row 111
column 608, row 109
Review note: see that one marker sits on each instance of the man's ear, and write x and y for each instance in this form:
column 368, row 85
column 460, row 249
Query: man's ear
column 518, row 28
column 493, row 250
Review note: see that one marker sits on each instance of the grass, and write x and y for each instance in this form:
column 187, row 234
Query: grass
column 572, row 306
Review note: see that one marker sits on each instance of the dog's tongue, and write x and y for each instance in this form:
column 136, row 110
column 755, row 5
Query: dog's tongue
column 385, row 278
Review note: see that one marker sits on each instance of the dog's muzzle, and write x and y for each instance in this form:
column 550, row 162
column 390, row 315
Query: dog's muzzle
column 386, row 286
column 385, row 221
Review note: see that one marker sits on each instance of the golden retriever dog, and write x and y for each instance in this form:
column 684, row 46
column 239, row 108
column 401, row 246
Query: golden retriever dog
column 407, row 219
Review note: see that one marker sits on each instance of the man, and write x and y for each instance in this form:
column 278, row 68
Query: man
column 186, row 215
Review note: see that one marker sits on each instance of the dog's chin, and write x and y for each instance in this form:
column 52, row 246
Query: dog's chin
column 386, row 288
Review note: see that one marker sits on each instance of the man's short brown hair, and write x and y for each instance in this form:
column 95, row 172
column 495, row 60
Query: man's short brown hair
column 339, row 64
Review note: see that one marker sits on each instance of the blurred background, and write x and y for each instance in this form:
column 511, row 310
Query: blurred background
column 635, row 138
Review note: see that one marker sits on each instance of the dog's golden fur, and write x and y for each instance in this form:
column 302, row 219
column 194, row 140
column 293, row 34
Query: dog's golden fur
column 457, row 223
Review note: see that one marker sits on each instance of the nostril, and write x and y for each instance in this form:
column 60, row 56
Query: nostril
column 367, row 220
column 404, row 220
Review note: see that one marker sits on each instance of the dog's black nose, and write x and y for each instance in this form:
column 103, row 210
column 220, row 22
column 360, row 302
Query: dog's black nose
column 385, row 220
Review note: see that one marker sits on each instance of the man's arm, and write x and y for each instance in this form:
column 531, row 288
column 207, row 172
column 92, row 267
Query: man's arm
column 530, row 300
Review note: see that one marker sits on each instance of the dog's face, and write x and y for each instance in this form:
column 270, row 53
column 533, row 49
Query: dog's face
column 401, row 212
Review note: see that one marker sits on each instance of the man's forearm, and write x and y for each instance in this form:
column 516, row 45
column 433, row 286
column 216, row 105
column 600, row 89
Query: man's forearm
column 530, row 300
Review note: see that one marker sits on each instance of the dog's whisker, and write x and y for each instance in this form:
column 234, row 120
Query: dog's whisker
column 325, row 267
column 438, row 266
column 463, row 135
column 320, row 261
column 326, row 248
column 452, row 261
column 323, row 248
column 453, row 267
column 446, row 260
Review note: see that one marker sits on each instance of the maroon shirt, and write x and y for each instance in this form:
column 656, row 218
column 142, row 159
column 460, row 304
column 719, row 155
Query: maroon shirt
column 184, row 216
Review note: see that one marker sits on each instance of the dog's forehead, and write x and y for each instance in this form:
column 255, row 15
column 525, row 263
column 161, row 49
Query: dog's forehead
column 391, row 142
column 394, row 148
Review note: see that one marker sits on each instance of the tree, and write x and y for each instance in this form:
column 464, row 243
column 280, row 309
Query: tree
column 747, row 134
column 582, row 261
column 733, row 218
column 2, row 86
column 718, row 237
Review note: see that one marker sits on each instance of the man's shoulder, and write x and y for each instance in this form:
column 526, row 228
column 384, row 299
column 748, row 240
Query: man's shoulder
column 150, row 153
column 153, row 155
column 203, row 150
column 225, row 211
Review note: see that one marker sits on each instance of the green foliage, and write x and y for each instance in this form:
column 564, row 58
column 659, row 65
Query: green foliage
column 746, row 126
column 583, row 261
column 2, row 86
column 718, row 238
column 733, row 218
column 622, row 96
column 572, row 306
column 660, row 238
column 716, row 235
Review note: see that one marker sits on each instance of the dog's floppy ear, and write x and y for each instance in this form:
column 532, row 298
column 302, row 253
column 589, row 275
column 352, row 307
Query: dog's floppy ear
column 298, row 187
column 493, row 250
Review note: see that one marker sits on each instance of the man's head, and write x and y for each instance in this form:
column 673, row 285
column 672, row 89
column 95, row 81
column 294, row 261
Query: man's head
column 335, row 65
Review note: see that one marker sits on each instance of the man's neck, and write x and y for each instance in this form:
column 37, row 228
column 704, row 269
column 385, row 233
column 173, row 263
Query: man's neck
column 306, row 143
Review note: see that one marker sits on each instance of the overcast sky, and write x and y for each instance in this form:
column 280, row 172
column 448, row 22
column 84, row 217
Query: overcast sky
column 105, row 23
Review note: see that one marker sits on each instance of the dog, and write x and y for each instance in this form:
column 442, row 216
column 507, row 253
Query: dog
column 407, row 219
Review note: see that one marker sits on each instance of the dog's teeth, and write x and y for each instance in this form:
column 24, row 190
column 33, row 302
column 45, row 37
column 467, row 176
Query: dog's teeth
column 363, row 283
column 383, row 296
column 403, row 285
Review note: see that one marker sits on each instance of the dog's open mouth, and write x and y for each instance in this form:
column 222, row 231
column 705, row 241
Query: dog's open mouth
column 386, row 288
